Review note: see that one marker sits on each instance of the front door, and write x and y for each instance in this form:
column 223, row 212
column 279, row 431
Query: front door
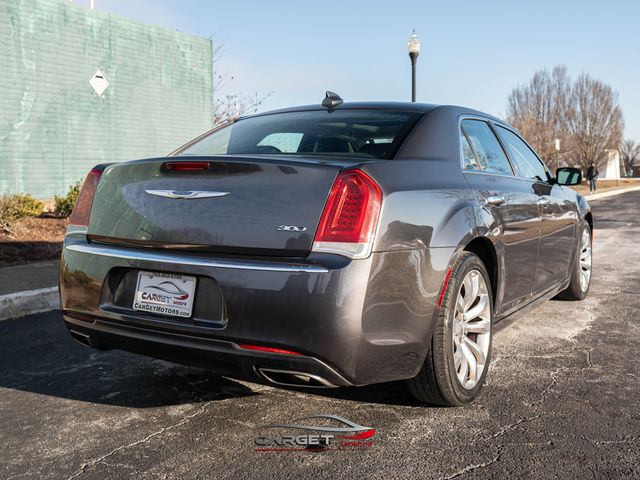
column 557, row 215
column 557, row 237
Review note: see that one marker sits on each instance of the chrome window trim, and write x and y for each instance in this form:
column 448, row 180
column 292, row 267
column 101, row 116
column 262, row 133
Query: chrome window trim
column 177, row 259
column 491, row 174
column 512, row 177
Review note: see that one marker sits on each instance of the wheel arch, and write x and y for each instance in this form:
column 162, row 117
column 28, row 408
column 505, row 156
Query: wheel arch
column 589, row 218
column 486, row 251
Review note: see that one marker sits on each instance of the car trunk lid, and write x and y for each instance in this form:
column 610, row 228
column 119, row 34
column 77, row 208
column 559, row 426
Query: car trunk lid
column 244, row 205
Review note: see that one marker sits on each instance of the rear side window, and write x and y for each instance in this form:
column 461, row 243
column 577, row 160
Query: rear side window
column 365, row 133
column 469, row 158
column 489, row 155
column 527, row 164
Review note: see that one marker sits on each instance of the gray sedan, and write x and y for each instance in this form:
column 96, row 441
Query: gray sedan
column 327, row 245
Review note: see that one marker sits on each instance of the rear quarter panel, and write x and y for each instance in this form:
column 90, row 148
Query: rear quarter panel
column 426, row 217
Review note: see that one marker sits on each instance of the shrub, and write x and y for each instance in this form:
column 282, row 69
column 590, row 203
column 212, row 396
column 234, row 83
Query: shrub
column 65, row 203
column 18, row 205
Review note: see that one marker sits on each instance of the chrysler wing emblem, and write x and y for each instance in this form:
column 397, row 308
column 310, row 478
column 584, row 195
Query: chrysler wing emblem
column 186, row 194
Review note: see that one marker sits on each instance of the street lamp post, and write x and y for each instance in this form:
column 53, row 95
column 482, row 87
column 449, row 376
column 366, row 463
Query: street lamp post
column 414, row 50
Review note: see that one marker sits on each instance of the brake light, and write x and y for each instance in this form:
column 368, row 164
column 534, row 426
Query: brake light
column 82, row 209
column 187, row 166
column 350, row 217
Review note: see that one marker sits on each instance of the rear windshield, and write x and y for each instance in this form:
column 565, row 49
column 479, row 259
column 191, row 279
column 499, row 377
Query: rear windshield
column 344, row 133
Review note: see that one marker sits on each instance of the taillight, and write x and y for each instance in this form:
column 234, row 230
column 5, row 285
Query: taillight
column 350, row 216
column 82, row 209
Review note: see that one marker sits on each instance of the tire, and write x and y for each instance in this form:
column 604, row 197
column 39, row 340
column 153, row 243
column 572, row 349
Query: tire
column 580, row 283
column 438, row 381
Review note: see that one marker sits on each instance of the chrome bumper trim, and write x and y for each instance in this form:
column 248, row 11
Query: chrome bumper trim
column 200, row 261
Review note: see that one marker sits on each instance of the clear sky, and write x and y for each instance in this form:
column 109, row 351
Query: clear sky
column 473, row 52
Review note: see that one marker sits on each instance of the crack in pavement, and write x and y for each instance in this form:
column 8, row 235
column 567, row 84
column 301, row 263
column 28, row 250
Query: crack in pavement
column 554, row 379
column 185, row 419
column 535, row 404
column 511, row 426
column 475, row 466
column 17, row 475
column 555, row 374
column 499, row 449
column 627, row 439
column 585, row 351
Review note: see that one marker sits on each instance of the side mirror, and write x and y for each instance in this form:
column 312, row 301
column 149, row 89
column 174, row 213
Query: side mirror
column 568, row 176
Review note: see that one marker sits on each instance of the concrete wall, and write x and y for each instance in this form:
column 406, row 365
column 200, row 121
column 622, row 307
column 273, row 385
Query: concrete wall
column 54, row 126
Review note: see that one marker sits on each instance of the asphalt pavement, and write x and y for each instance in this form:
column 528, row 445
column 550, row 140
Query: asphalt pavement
column 562, row 400
column 31, row 276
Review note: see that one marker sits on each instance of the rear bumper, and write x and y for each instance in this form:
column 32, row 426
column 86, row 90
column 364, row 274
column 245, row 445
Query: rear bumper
column 226, row 357
column 353, row 322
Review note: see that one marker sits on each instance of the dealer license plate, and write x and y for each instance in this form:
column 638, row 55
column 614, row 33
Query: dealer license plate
column 165, row 294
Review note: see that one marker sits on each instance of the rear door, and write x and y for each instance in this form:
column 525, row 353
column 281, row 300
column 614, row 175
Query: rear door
column 511, row 202
column 557, row 213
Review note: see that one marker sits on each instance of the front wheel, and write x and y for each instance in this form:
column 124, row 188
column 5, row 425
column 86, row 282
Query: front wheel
column 457, row 362
column 581, row 274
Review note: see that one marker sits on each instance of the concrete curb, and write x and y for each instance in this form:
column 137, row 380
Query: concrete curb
column 19, row 304
column 612, row 193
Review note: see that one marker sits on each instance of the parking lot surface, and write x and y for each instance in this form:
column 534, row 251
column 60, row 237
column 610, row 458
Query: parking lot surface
column 562, row 400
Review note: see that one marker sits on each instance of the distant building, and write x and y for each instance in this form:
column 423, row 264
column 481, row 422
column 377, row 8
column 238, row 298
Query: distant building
column 80, row 87
column 635, row 166
column 611, row 166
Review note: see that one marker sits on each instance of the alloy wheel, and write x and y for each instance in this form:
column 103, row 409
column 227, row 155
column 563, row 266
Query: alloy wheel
column 471, row 329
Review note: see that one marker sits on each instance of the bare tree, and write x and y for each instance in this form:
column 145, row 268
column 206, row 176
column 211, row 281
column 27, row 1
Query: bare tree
column 630, row 153
column 539, row 111
column 229, row 106
column 585, row 116
column 595, row 120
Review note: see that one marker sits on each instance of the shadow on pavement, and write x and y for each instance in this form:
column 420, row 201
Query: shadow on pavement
column 392, row 393
column 39, row 356
column 21, row 252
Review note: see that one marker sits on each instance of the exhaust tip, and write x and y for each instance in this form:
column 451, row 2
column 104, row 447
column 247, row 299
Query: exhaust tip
column 291, row 378
column 83, row 339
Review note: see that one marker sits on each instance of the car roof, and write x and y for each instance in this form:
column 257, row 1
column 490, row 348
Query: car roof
column 403, row 106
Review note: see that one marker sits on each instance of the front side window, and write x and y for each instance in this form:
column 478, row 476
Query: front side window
column 526, row 162
column 488, row 151
column 345, row 133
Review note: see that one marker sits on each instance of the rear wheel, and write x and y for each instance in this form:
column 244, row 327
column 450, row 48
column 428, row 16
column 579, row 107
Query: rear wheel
column 581, row 275
column 457, row 363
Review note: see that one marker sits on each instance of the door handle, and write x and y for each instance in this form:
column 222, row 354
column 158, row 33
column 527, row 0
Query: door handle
column 494, row 200
column 544, row 202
